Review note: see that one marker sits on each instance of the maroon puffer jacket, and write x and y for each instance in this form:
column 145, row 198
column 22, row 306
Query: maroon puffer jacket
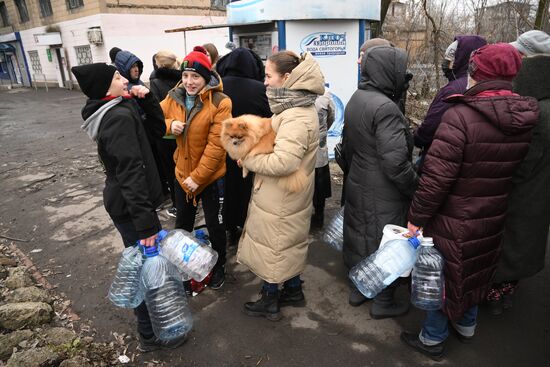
column 461, row 200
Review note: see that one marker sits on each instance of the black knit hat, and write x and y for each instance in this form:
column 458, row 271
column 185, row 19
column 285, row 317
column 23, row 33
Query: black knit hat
column 94, row 79
column 113, row 52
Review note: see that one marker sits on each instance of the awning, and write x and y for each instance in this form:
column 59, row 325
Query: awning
column 212, row 26
column 6, row 47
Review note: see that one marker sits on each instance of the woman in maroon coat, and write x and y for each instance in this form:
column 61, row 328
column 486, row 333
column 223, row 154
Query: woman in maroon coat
column 462, row 196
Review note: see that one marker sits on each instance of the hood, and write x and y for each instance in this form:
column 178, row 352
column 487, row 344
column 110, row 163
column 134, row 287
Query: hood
column 533, row 78
column 243, row 63
column 466, row 45
column 93, row 113
column 510, row 113
column 307, row 76
column 214, row 85
column 173, row 75
column 384, row 68
column 124, row 61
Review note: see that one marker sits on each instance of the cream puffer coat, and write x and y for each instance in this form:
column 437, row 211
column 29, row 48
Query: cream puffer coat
column 274, row 242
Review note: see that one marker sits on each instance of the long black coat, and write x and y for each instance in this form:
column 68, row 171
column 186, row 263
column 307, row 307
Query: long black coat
column 242, row 75
column 526, row 226
column 378, row 147
column 132, row 186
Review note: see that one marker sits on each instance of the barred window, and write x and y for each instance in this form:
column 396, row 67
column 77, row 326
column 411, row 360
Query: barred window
column 83, row 55
column 73, row 4
column 45, row 8
column 35, row 62
column 22, row 9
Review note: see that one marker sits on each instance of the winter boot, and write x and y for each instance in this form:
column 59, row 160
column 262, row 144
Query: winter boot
column 356, row 298
column 292, row 296
column 267, row 306
column 385, row 305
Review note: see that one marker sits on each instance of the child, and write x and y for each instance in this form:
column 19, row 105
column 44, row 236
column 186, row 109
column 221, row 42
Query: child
column 132, row 186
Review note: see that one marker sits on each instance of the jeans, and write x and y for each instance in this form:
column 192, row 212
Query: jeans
column 130, row 237
column 186, row 211
column 436, row 326
column 273, row 287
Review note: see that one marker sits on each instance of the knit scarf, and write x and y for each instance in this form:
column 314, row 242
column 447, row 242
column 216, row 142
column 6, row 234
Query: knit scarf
column 281, row 99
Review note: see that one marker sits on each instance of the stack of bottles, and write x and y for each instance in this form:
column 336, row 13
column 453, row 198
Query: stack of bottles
column 155, row 275
column 428, row 286
column 334, row 233
column 374, row 273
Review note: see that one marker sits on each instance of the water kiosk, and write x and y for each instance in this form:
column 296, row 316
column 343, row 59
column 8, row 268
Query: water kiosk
column 331, row 31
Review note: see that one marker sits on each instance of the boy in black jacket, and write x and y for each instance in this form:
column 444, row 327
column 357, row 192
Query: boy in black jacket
column 132, row 187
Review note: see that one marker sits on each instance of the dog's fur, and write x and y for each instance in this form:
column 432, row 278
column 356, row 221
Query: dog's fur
column 249, row 135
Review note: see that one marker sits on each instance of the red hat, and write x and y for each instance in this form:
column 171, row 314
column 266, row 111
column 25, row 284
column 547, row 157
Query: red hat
column 497, row 61
column 198, row 61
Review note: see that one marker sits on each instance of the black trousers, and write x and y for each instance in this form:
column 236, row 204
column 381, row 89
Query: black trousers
column 186, row 211
column 130, row 237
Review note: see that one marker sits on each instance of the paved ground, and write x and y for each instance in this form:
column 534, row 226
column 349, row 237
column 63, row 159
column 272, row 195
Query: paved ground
column 51, row 197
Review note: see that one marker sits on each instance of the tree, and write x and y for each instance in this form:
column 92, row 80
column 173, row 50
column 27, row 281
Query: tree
column 542, row 13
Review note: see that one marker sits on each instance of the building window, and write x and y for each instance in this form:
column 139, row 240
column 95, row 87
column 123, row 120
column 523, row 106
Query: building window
column 4, row 14
column 73, row 4
column 22, row 9
column 219, row 4
column 83, row 55
column 35, row 62
column 45, row 8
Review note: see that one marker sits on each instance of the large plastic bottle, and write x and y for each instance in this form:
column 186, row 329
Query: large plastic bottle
column 192, row 257
column 125, row 290
column 374, row 273
column 165, row 296
column 428, row 287
column 334, row 233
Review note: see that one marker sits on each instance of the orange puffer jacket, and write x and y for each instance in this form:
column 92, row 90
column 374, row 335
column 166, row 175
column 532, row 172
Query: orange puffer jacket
column 199, row 152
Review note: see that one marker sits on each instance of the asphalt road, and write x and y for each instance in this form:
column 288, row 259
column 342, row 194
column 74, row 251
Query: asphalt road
column 51, row 197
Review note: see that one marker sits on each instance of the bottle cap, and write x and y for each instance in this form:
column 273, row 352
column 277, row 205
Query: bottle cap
column 414, row 242
column 162, row 234
column 149, row 251
column 199, row 233
column 427, row 241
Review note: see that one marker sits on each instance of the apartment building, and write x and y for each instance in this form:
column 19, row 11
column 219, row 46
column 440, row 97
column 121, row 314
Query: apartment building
column 40, row 40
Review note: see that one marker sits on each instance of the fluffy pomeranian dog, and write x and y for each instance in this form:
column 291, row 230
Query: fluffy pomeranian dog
column 249, row 135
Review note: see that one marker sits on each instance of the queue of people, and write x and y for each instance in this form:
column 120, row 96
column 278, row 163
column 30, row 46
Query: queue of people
column 479, row 187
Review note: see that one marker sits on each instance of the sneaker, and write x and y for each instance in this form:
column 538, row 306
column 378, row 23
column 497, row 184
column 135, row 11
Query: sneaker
column 218, row 277
column 153, row 343
column 435, row 352
column 171, row 212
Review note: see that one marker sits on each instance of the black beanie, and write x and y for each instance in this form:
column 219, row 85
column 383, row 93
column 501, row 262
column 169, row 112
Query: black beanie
column 113, row 52
column 94, row 79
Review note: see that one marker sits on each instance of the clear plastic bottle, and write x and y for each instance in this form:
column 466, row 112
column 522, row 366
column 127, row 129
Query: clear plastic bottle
column 374, row 273
column 165, row 296
column 189, row 255
column 428, row 287
column 334, row 233
column 125, row 290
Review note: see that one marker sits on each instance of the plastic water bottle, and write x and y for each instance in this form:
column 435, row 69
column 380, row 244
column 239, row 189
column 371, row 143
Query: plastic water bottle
column 334, row 233
column 125, row 290
column 428, row 287
column 165, row 296
column 374, row 273
column 189, row 255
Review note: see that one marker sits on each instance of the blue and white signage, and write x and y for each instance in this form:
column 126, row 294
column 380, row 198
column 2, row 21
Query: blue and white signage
column 324, row 44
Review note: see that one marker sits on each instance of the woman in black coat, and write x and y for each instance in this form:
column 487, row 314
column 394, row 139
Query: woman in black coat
column 165, row 77
column 242, row 73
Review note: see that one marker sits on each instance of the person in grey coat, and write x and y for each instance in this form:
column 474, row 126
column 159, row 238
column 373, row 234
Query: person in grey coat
column 526, row 228
column 381, row 178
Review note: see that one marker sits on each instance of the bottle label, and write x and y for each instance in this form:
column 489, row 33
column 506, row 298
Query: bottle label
column 188, row 249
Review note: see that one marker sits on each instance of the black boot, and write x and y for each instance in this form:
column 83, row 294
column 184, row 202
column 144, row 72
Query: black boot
column 385, row 305
column 435, row 352
column 267, row 306
column 292, row 296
